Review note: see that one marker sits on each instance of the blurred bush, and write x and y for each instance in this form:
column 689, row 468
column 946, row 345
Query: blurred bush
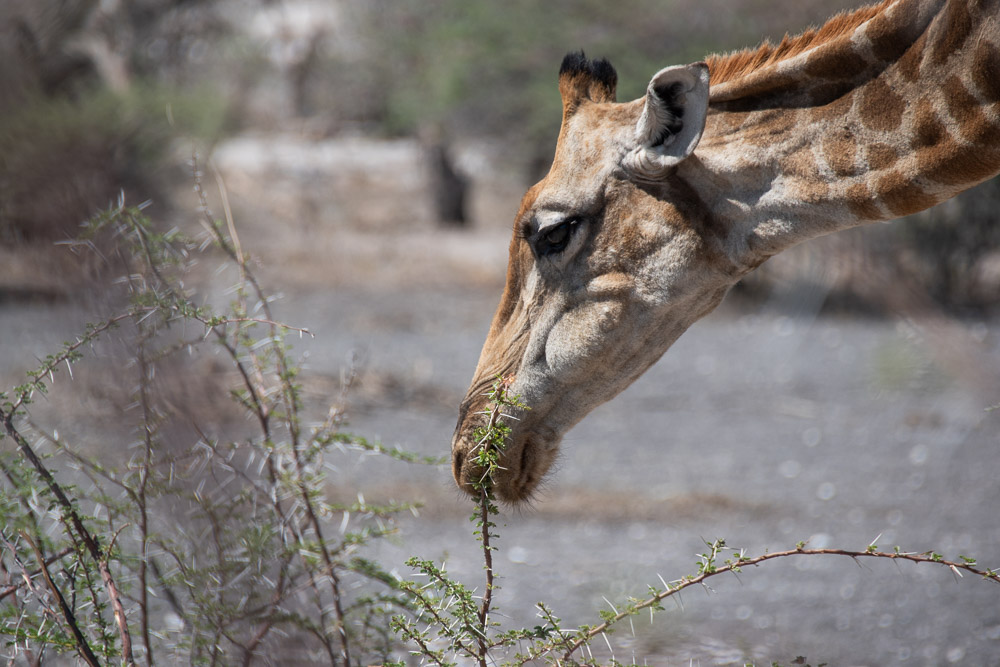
column 481, row 68
column 85, row 116
column 488, row 70
column 62, row 158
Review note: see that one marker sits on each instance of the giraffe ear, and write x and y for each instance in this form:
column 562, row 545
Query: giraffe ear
column 672, row 120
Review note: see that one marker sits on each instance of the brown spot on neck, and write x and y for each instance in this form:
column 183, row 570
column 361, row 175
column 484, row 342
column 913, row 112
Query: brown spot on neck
column 881, row 156
column 985, row 71
column 838, row 65
column 973, row 124
column 862, row 203
column 880, row 107
column 928, row 130
column 840, row 151
column 902, row 195
column 956, row 27
column 891, row 35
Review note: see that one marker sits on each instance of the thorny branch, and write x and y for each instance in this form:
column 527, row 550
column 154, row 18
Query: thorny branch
column 75, row 523
column 485, row 503
column 287, row 480
column 734, row 566
column 13, row 588
column 69, row 617
column 490, row 445
column 289, row 394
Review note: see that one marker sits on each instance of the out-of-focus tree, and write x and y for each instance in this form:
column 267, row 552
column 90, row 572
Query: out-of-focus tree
column 85, row 113
column 478, row 68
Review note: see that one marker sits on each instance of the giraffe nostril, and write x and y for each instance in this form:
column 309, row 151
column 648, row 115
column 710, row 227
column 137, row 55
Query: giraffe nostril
column 456, row 465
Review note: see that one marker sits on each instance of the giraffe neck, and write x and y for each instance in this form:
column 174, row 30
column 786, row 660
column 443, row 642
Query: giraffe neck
column 891, row 111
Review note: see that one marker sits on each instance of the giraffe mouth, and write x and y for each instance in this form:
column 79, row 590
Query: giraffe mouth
column 522, row 466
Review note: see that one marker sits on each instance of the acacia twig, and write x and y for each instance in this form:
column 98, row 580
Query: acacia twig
column 734, row 566
column 90, row 541
column 288, row 394
column 13, row 588
column 484, row 517
column 69, row 617
column 490, row 446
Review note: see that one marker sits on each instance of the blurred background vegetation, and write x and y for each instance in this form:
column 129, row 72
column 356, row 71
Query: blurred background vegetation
column 97, row 94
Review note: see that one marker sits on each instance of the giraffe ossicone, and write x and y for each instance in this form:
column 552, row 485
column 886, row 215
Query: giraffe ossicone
column 652, row 209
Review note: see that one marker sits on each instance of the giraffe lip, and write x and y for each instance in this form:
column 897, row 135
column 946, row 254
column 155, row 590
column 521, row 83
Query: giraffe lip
column 522, row 466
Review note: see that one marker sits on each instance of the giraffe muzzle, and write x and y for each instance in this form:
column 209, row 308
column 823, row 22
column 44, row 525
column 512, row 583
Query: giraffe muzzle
column 523, row 464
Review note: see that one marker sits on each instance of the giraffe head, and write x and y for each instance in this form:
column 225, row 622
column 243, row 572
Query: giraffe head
column 612, row 258
column 632, row 236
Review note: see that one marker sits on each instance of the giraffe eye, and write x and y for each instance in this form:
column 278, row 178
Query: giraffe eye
column 555, row 240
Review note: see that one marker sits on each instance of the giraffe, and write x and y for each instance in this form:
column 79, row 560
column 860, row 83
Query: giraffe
column 654, row 208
